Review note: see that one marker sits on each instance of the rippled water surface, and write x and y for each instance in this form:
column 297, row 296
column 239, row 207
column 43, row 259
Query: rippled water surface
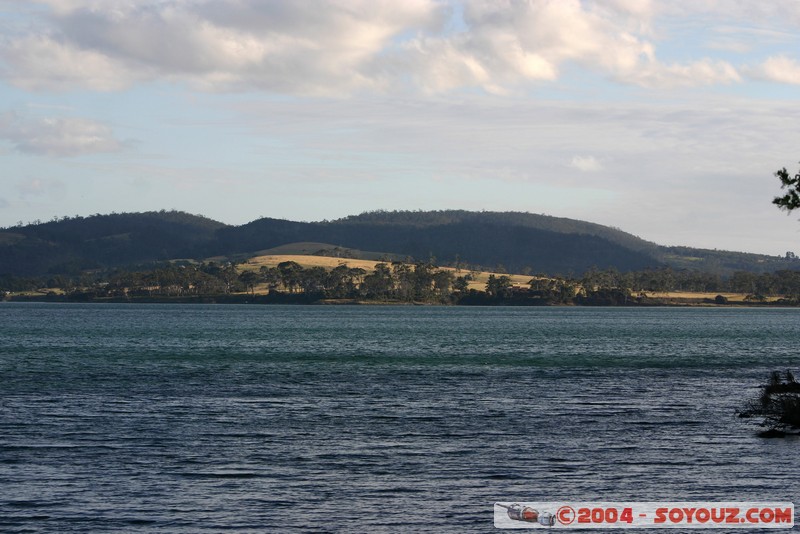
column 376, row 419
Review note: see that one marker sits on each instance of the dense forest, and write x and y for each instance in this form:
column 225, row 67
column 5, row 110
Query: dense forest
column 510, row 241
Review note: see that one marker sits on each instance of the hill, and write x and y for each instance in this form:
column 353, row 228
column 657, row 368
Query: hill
column 72, row 245
column 510, row 241
column 560, row 225
column 518, row 242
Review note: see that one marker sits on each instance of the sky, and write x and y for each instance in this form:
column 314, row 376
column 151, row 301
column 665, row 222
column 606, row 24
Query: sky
column 666, row 119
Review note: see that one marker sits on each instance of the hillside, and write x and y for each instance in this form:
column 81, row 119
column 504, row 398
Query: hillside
column 518, row 242
column 560, row 225
column 511, row 241
column 72, row 245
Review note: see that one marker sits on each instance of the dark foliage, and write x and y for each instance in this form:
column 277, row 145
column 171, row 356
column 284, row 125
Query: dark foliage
column 606, row 296
column 69, row 246
column 791, row 200
column 778, row 406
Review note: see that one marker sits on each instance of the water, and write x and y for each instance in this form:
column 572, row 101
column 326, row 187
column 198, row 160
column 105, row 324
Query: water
column 120, row 418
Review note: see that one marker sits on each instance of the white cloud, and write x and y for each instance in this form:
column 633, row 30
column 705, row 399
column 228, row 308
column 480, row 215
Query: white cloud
column 780, row 69
column 346, row 46
column 40, row 62
column 508, row 44
column 704, row 72
column 505, row 44
column 586, row 163
column 301, row 47
column 57, row 136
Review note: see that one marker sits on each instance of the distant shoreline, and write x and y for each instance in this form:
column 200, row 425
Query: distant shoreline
column 301, row 299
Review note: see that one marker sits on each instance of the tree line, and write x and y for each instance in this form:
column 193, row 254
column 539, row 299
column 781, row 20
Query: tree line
column 418, row 282
column 423, row 282
column 779, row 283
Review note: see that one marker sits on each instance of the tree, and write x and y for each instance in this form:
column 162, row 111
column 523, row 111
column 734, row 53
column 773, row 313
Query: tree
column 498, row 286
column 229, row 275
column 779, row 402
column 250, row 279
column 339, row 281
column 461, row 284
column 404, row 281
column 378, row 284
column 443, row 283
column 791, row 200
column 312, row 280
column 271, row 276
column 423, row 278
column 291, row 273
column 564, row 291
column 778, row 405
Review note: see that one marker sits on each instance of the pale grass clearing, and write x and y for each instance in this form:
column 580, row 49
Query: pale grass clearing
column 479, row 282
column 273, row 260
column 732, row 297
column 308, row 261
column 481, row 277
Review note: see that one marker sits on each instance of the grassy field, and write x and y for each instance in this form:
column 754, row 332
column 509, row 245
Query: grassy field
column 272, row 260
column 732, row 297
column 479, row 277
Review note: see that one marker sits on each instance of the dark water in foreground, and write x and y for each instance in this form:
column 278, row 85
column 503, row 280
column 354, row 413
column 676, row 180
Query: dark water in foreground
column 376, row 419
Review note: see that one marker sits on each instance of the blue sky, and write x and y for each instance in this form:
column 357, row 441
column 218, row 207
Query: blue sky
column 665, row 119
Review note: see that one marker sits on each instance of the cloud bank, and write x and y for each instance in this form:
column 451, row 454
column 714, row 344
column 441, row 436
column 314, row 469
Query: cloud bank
column 346, row 46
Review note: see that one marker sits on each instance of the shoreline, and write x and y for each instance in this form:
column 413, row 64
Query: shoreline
column 301, row 299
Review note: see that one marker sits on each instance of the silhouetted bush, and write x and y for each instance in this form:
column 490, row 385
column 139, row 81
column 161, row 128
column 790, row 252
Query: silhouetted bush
column 778, row 406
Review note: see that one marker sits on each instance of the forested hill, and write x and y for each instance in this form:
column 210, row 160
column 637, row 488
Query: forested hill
column 480, row 239
column 519, row 242
column 72, row 245
column 559, row 225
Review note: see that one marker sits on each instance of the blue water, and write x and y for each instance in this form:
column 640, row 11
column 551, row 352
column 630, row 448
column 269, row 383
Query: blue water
column 121, row 418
